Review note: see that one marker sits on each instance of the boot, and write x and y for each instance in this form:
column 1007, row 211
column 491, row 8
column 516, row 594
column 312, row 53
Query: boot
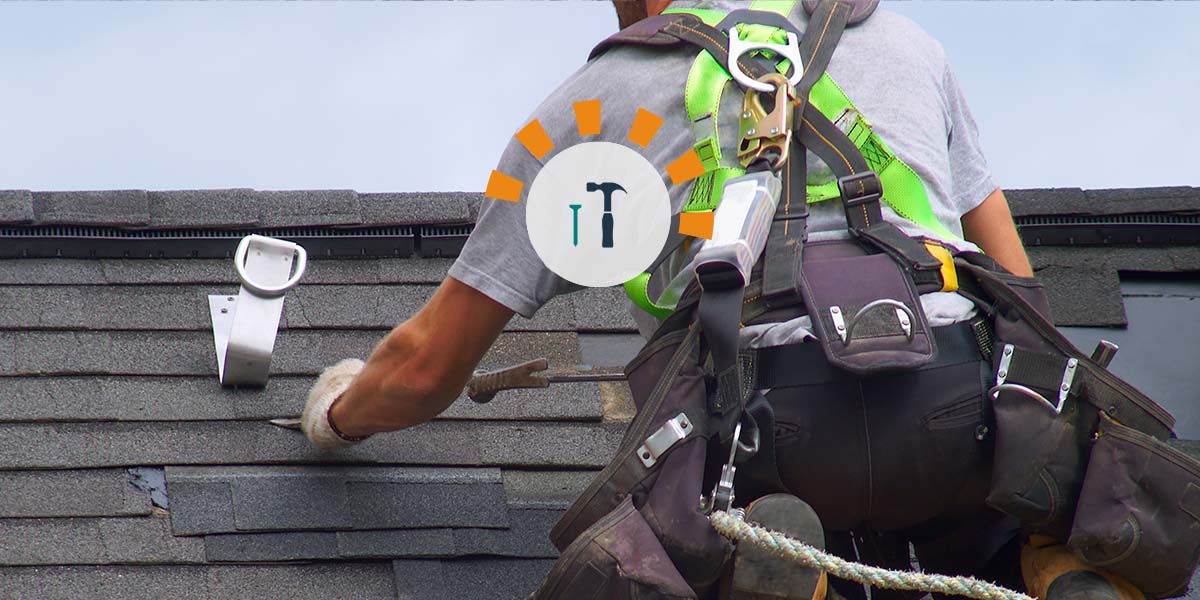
column 760, row 575
column 1052, row 572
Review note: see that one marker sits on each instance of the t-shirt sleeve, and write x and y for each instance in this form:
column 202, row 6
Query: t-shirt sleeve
column 971, row 179
column 498, row 258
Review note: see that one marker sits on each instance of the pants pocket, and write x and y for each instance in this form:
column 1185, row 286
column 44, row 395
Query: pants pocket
column 1139, row 511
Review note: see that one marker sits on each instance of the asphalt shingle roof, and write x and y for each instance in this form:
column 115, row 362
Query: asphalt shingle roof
column 107, row 364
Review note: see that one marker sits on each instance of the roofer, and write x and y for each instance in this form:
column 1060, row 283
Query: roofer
column 908, row 388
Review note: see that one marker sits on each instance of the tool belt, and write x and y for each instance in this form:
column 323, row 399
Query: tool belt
column 1080, row 454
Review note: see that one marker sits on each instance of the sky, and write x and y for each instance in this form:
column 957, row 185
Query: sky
column 423, row 96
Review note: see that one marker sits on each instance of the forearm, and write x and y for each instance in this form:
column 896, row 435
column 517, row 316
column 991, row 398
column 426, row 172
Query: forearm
column 990, row 226
column 421, row 367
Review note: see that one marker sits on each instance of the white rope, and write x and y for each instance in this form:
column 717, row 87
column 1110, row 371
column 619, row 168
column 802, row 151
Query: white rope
column 781, row 545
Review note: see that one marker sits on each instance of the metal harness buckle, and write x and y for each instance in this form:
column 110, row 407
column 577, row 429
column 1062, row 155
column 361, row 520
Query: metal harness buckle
column 767, row 135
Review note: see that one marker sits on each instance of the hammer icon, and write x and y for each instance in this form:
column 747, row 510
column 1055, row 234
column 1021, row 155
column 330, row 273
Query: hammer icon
column 606, row 222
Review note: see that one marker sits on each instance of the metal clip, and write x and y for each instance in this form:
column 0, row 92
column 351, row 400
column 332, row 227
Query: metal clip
column 663, row 438
column 738, row 47
column 722, row 494
column 1064, row 388
column 767, row 134
column 245, row 326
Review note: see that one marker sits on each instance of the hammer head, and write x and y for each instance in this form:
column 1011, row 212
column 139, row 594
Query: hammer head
column 606, row 187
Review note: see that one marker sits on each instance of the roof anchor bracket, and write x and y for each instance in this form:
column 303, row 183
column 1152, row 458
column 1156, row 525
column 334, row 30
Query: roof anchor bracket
column 245, row 326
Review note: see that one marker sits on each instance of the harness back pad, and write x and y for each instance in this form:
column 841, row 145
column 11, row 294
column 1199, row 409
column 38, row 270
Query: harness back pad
column 865, row 309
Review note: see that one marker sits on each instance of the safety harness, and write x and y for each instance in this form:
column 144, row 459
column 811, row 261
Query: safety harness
column 818, row 99
column 696, row 392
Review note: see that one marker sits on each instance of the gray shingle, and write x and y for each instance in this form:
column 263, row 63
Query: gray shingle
column 343, row 580
column 301, row 498
column 609, row 349
column 1074, row 201
column 1045, row 201
column 528, row 537
column 114, row 398
column 268, row 547
column 416, row 208
column 307, row 208
column 90, row 493
column 1084, row 296
column 214, row 272
column 94, row 541
column 16, row 206
column 468, row 443
column 192, row 353
column 469, row 579
column 603, row 310
column 391, row 543
column 203, row 208
column 199, row 507
column 176, row 307
column 545, row 489
column 119, row 208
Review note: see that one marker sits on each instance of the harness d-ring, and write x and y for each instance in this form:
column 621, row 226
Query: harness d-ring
column 846, row 330
column 738, row 47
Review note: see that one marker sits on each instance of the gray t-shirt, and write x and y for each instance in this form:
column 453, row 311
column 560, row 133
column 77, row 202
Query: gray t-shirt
column 896, row 75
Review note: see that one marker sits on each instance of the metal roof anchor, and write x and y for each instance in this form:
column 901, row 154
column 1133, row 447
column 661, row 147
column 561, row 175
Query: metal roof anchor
column 244, row 326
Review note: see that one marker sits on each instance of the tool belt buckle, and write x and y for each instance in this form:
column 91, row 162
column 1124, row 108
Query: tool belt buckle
column 767, row 135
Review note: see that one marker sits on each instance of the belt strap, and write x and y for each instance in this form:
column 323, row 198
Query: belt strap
column 805, row 363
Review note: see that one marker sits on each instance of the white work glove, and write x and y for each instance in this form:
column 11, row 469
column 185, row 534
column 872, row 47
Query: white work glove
column 333, row 382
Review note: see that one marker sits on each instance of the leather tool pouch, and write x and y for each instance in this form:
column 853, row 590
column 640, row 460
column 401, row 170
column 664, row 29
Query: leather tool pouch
column 865, row 309
column 1099, row 473
column 1139, row 511
column 654, row 483
column 617, row 557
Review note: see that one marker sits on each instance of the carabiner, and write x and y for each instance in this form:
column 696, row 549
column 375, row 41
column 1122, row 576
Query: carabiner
column 767, row 135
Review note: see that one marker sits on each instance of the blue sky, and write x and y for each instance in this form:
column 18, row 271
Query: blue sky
column 422, row 96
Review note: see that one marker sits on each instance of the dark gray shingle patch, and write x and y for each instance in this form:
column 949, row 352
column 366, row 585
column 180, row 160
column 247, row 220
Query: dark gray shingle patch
column 192, row 353
column 301, row 498
column 397, row 542
column 352, row 581
column 545, row 489
column 609, row 349
column 269, row 547
column 1083, row 296
column 94, row 541
column 89, row 493
column 116, row 208
column 465, row 443
column 114, row 398
column 416, row 208
column 203, row 208
column 469, row 579
column 199, row 507
column 603, row 310
column 1144, row 259
column 528, row 537
column 218, row 273
column 307, row 208
column 16, row 206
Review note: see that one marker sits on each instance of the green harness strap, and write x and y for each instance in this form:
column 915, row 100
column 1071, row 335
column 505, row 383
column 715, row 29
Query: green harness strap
column 903, row 189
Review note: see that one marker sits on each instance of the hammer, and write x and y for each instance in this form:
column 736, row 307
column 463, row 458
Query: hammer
column 606, row 222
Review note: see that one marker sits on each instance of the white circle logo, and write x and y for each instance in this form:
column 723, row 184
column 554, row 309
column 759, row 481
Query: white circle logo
column 598, row 214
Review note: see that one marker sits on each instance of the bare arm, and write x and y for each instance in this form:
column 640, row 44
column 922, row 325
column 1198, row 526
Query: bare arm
column 990, row 226
column 419, row 369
